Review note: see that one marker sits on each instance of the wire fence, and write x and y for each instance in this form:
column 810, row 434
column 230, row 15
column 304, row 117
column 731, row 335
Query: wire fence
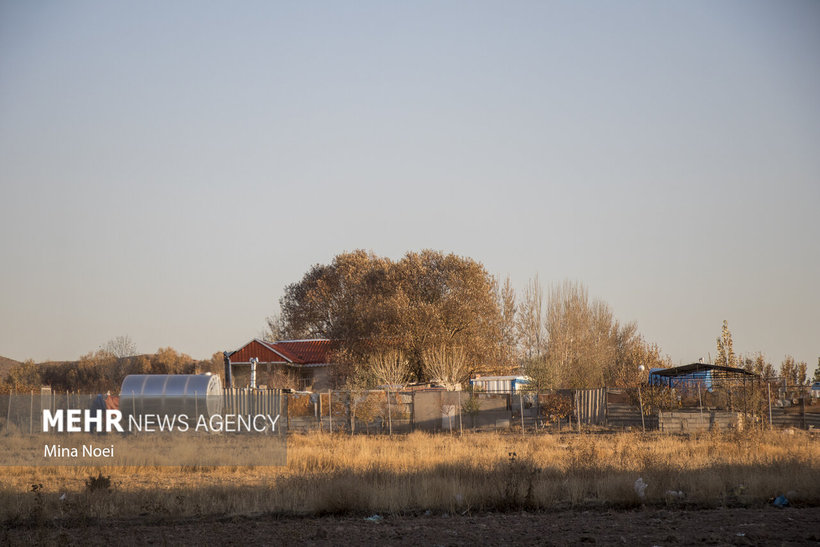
column 684, row 409
column 718, row 406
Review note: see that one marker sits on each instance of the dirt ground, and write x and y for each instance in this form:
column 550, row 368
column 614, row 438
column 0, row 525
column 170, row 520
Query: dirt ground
column 647, row 526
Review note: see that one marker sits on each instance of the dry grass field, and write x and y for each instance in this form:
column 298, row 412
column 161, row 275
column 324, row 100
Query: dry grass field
column 420, row 473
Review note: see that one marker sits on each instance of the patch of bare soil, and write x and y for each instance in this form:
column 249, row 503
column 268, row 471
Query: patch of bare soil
column 647, row 526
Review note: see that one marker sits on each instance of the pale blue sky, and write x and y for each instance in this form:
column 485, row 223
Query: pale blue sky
column 166, row 168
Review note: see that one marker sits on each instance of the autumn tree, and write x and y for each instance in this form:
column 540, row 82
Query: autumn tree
column 759, row 365
column 508, row 330
column 768, row 371
column 24, row 376
column 348, row 299
column 794, row 374
column 581, row 336
column 390, row 367
column 532, row 337
column 802, row 376
column 275, row 329
column 370, row 303
column 121, row 346
column 530, row 324
column 788, row 370
column 542, row 371
column 447, row 365
column 101, row 371
column 725, row 350
column 584, row 344
column 632, row 352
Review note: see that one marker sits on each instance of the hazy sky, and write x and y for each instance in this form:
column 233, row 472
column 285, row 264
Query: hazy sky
column 167, row 168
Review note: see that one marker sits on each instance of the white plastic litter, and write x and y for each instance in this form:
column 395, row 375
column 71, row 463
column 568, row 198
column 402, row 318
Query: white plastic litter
column 640, row 487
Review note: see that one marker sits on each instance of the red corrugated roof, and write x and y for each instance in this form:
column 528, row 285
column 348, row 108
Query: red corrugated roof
column 259, row 349
column 297, row 352
column 306, row 352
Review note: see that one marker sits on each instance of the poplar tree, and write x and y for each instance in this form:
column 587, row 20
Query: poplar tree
column 725, row 350
column 530, row 322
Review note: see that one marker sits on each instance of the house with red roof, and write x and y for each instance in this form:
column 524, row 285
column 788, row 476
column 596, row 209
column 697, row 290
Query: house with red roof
column 305, row 364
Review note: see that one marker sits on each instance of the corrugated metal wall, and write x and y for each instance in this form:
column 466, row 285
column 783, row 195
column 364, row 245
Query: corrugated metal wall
column 254, row 401
column 590, row 406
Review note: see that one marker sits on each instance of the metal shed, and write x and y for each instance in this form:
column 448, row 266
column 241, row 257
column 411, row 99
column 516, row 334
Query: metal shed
column 693, row 375
column 499, row 384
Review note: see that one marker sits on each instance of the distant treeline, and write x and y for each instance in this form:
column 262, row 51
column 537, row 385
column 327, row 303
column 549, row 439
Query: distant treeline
column 102, row 371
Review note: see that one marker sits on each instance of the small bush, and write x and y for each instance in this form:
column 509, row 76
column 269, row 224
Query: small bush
column 98, row 483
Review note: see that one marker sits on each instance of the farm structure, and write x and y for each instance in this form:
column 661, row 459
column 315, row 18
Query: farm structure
column 499, row 384
column 307, row 363
column 704, row 376
column 190, row 394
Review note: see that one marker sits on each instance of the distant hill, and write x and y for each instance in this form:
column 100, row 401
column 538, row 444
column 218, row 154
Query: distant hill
column 5, row 366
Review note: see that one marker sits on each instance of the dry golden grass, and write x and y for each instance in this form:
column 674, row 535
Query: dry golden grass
column 476, row 472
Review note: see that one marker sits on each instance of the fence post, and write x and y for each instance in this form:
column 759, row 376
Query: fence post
column 460, row 422
column 521, row 405
column 769, row 391
column 8, row 413
column 640, row 401
column 351, row 408
column 389, row 413
column 284, row 401
column 803, row 411
column 330, row 409
column 412, row 411
column 579, row 395
column 319, row 414
column 578, row 409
